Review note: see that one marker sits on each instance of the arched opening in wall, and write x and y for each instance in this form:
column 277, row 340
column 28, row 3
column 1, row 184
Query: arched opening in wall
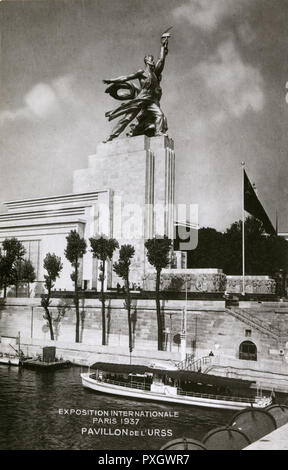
column 248, row 351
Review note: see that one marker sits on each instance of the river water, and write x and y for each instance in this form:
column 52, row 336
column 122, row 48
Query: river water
column 33, row 416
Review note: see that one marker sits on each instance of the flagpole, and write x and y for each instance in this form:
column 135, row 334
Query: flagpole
column 243, row 232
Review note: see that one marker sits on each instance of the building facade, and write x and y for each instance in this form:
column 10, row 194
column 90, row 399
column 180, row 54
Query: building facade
column 127, row 192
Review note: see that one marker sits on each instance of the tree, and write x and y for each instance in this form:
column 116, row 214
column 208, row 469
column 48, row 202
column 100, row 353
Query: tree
column 209, row 251
column 103, row 248
column 61, row 311
column 158, row 250
column 122, row 269
column 23, row 271
column 264, row 254
column 52, row 264
column 76, row 248
column 28, row 274
column 16, row 275
column 13, row 253
column 5, row 273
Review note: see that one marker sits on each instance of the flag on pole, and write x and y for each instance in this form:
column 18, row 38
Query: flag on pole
column 254, row 206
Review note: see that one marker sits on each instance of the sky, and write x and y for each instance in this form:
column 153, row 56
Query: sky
column 224, row 94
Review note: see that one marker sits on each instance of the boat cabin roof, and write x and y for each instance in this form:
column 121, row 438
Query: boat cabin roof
column 183, row 375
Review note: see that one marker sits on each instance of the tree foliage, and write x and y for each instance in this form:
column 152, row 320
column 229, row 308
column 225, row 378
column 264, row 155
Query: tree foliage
column 13, row 248
column 209, row 251
column 53, row 266
column 264, row 255
column 158, row 255
column 75, row 249
column 103, row 248
column 23, row 271
column 28, row 274
column 122, row 269
column 158, row 251
column 13, row 252
column 28, row 271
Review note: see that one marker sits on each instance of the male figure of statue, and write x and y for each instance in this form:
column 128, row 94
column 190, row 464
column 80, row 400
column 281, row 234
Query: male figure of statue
column 145, row 107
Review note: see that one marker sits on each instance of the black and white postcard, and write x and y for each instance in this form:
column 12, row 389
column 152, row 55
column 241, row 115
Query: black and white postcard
column 143, row 226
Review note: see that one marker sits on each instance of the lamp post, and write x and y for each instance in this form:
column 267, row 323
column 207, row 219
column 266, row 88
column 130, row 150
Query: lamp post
column 183, row 334
column 243, row 230
column 170, row 332
column 184, row 327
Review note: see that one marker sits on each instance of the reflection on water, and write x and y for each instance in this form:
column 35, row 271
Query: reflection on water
column 30, row 419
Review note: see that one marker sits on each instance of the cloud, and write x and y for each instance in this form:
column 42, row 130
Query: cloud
column 43, row 100
column 208, row 14
column 234, row 87
column 20, row 113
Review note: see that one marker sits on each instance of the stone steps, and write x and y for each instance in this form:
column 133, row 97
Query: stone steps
column 255, row 323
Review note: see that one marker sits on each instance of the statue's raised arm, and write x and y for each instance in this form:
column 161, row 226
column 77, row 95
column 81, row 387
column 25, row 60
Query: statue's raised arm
column 163, row 53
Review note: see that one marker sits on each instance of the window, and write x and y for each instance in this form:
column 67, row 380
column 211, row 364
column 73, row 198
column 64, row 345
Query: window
column 248, row 333
column 248, row 351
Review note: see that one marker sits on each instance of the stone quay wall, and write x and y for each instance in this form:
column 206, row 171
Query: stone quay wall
column 210, row 327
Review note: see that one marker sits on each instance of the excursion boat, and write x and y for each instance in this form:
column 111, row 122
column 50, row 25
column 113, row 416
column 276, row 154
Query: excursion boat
column 173, row 386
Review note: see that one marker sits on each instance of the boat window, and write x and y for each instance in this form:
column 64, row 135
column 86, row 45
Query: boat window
column 248, row 351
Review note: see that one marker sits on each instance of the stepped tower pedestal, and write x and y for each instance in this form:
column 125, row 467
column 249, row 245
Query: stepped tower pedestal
column 139, row 173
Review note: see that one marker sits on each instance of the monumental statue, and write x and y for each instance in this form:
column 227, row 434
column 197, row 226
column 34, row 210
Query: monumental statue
column 142, row 107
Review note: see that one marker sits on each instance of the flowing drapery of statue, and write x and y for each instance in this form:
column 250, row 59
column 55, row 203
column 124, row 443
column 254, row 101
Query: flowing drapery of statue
column 142, row 107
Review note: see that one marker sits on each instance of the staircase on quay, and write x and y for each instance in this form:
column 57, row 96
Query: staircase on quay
column 269, row 376
column 207, row 363
column 194, row 365
column 256, row 323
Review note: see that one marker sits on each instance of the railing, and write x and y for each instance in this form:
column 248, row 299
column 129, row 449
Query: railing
column 193, row 365
column 256, row 323
column 137, row 385
column 217, row 397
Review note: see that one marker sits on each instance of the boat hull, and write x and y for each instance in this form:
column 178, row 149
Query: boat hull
column 119, row 390
column 10, row 361
column 36, row 364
